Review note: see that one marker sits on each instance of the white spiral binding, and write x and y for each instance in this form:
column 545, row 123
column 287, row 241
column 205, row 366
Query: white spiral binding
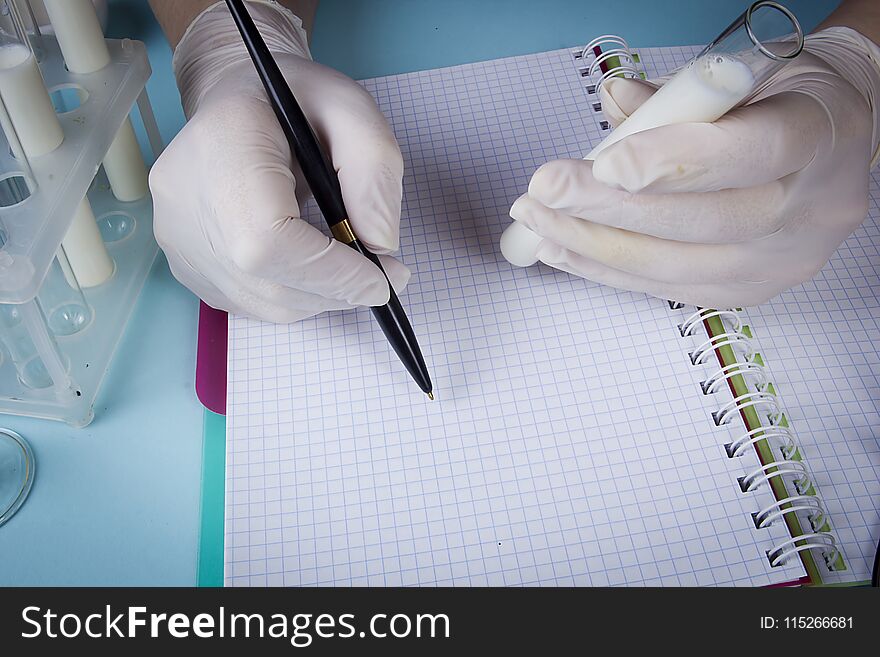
column 808, row 503
column 757, row 400
column 774, row 430
column 748, row 369
column 783, row 435
column 688, row 326
column 783, row 467
column 822, row 541
column 624, row 56
column 614, row 46
column 617, row 71
column 605, row 39
column 737, row 340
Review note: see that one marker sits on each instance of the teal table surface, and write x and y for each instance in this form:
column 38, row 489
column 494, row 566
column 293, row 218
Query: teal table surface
column 120, row 502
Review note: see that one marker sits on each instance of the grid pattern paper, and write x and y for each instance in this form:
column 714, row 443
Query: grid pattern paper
column 821, row 341
column 569, row 443
column 821, row 344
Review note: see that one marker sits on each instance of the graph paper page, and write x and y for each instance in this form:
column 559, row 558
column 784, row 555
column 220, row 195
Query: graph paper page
column 569, row 443
column 821, row 341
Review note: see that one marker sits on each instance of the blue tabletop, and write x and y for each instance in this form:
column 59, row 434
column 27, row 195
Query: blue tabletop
column 117, row 503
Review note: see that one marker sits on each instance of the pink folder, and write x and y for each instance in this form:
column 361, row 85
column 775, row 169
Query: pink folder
column 211, row 359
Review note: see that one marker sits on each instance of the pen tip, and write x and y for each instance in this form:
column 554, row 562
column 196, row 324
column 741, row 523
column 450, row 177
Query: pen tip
column 431, row 396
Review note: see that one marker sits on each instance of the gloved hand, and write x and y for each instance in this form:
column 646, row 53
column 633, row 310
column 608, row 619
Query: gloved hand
column 721, row 214
column 227, row 193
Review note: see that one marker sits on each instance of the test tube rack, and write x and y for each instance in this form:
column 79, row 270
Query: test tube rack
column 55, row 353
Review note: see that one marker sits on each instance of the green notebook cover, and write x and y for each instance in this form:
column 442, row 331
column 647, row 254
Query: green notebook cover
column 210, row 569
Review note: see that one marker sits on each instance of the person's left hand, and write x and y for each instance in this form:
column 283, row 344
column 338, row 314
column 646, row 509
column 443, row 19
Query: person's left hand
column 720, row 214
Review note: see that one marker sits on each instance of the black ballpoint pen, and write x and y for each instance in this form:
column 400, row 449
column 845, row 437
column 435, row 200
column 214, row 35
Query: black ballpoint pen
column 324, row 184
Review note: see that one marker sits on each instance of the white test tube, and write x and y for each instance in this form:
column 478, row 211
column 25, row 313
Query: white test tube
column 33, row 118
column 752, row 48
column 23, row 352
column 22, row 86
column 79, row 34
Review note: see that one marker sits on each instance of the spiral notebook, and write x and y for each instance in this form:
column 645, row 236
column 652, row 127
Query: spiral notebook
column 582, row 435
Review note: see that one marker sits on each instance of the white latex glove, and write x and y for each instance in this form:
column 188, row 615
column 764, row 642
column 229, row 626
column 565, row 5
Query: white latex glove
column 721, row 214
column 227, row 193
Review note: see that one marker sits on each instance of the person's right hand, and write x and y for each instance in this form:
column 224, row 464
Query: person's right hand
column 227, row 192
